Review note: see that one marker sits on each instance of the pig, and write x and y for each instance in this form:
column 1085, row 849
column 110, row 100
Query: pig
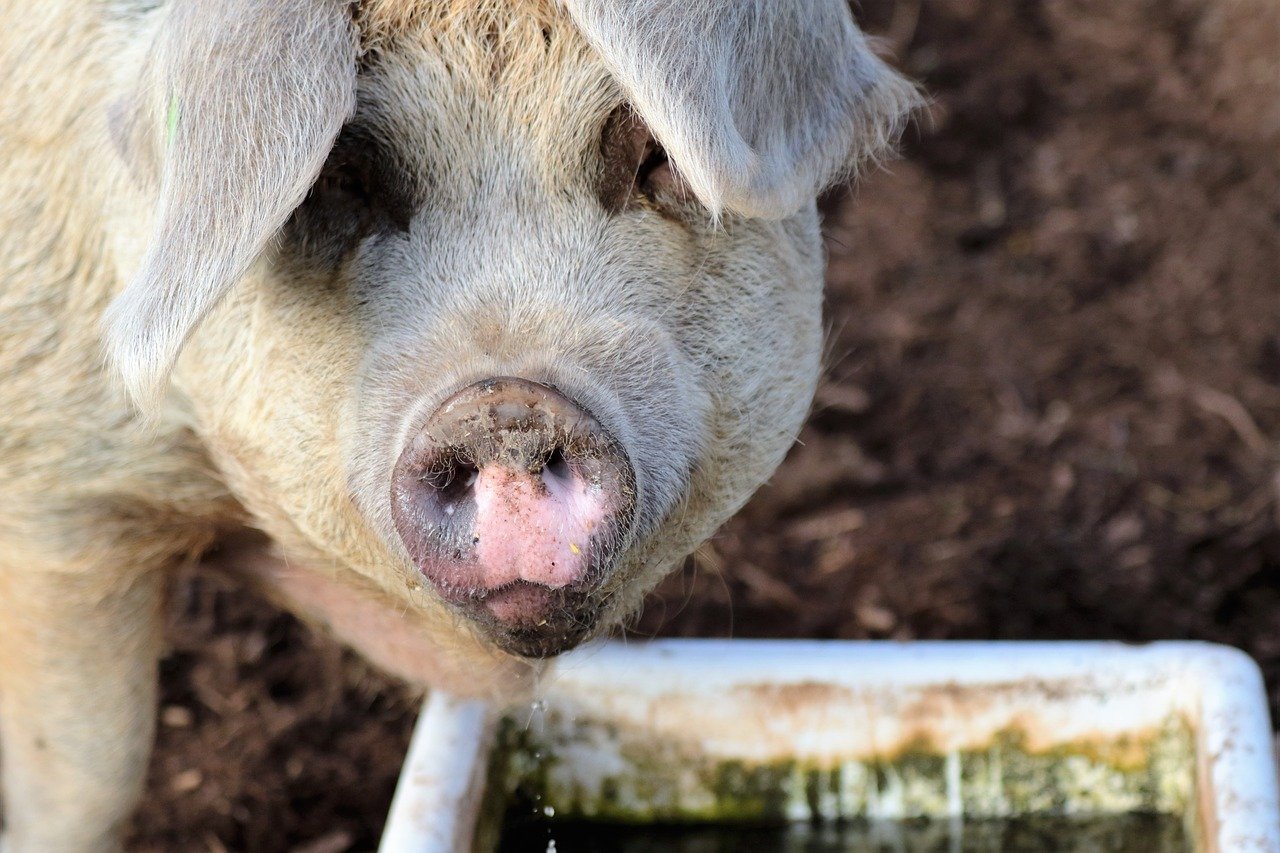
column 450, row 325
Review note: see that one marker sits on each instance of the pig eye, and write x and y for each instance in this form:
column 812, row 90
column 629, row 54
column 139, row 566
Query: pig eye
column 339, row 203
column 361, row 191
column 344, row 184
column 635, row 168
column 655, row 173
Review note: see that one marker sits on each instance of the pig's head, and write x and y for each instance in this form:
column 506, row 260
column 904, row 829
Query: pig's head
column 503, row 306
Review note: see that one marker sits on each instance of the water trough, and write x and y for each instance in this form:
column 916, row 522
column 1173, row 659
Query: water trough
column 835, row 733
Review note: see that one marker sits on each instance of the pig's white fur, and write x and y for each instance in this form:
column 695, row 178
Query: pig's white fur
column 243, row 100
column 697, row 343
column 760, row 103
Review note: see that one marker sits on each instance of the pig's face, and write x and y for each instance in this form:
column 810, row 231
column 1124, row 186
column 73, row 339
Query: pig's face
column 539, row 236
column 507, row 359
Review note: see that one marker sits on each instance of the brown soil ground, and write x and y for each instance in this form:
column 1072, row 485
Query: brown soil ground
column 1053, row 394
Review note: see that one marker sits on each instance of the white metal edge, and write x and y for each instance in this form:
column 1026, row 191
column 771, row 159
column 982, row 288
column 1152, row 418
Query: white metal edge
column 1240, row 804
column 437, row 799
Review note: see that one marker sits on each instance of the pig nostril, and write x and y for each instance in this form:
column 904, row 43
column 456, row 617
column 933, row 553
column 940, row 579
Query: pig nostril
column 557, row 466
column 452, row 480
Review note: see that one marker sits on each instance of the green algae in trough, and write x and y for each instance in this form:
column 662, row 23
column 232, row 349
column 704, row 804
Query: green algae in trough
column 585, row 769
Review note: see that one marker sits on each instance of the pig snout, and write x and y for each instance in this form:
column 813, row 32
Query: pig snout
column 513, row 501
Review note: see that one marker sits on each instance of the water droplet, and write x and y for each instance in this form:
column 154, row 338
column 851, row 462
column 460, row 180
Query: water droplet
column 549, row 811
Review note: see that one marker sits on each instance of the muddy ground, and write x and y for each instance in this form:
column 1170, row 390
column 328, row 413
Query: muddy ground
column 1051, row 410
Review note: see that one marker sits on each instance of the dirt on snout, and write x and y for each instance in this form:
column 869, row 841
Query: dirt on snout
column 1051, row 412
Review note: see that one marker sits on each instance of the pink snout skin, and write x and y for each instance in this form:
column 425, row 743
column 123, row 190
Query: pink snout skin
column 534, row 528
column 513, row 501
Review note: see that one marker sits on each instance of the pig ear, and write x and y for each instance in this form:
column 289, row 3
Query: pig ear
column 238, row 106
column 760, row 104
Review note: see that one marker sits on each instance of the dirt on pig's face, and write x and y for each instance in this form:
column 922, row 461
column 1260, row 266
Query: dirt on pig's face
column 495, row 213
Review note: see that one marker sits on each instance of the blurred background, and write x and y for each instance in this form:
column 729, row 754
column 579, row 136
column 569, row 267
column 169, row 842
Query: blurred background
column 1051, row 408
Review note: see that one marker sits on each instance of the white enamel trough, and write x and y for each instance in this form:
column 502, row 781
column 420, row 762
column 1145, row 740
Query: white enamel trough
column 690, row 730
